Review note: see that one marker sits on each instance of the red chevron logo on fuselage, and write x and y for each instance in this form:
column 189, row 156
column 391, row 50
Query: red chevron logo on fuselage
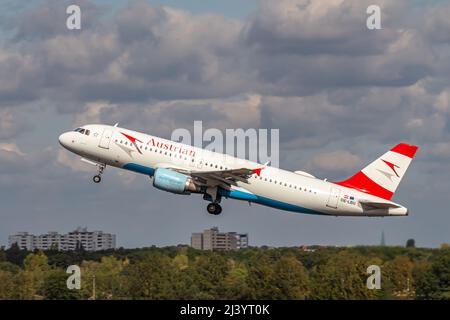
column 133, row 141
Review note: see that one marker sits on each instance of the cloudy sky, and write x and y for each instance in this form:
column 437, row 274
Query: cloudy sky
column 312, row 69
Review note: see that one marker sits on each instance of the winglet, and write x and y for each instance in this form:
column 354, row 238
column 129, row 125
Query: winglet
column 258, row 170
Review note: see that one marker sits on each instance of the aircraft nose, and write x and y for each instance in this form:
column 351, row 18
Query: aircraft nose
column 64, row 139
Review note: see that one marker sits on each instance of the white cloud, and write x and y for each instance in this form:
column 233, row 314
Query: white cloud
column 11, row 148
column 92, row 113
column 69, row 160
column 336, row 162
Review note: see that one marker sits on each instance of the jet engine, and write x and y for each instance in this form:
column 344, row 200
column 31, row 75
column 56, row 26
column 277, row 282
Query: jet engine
column 175, row 182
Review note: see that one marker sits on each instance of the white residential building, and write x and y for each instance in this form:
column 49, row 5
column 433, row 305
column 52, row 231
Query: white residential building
column 24, row 240
column 77, row 239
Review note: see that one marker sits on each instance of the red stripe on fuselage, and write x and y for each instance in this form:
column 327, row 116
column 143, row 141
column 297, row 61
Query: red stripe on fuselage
column 363, row 183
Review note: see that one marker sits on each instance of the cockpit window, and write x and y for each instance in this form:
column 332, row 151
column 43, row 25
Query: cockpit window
column 83, row 131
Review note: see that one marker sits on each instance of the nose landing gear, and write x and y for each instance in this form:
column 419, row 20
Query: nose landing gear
column 98, row 177
column 214, row 208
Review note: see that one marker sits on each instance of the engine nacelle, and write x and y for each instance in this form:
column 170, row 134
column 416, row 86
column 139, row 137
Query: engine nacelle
column 172, row 181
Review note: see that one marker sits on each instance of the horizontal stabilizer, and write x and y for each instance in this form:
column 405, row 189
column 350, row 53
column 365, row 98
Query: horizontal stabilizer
column 378, row 205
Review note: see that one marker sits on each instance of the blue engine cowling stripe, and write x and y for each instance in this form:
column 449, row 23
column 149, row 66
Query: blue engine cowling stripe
column 140, row 169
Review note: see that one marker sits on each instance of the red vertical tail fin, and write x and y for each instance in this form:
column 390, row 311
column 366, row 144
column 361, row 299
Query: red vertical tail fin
column 382, row 177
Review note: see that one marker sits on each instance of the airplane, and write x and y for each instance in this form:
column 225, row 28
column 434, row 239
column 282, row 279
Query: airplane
column 183, row 169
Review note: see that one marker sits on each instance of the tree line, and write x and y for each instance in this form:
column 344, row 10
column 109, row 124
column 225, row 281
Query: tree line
column 254, row 273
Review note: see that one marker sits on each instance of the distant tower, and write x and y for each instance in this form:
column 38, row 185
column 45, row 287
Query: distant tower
column 383, row 240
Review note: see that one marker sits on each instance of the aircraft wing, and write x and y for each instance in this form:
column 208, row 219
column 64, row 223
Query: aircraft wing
column 223, row 178
column 378, row 205
column 217, row 178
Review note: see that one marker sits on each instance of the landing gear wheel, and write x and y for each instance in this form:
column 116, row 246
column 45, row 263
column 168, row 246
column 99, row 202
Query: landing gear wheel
column 214, row 208
column 98, row 177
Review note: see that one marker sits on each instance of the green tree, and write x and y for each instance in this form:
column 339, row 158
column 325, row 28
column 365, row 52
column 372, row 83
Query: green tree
column 291, row 279
column 260, row 280
column 55, row 287
column 33, row 275
column 151, row 278
column 235, row 282
column 181, row 261
column 411, row 243
column 434, row 283
column 343, row 276
column 397, row 276
column 108, row 278
column 209, row 272
column 7, row 285
column 15, row 255
column 2, row 255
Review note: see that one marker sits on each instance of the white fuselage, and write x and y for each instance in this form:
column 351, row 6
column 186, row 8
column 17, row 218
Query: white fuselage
column 291, row 191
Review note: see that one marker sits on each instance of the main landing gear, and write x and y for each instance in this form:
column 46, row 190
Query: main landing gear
column 212, row 195
column 98, row 177
column 214, row 208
